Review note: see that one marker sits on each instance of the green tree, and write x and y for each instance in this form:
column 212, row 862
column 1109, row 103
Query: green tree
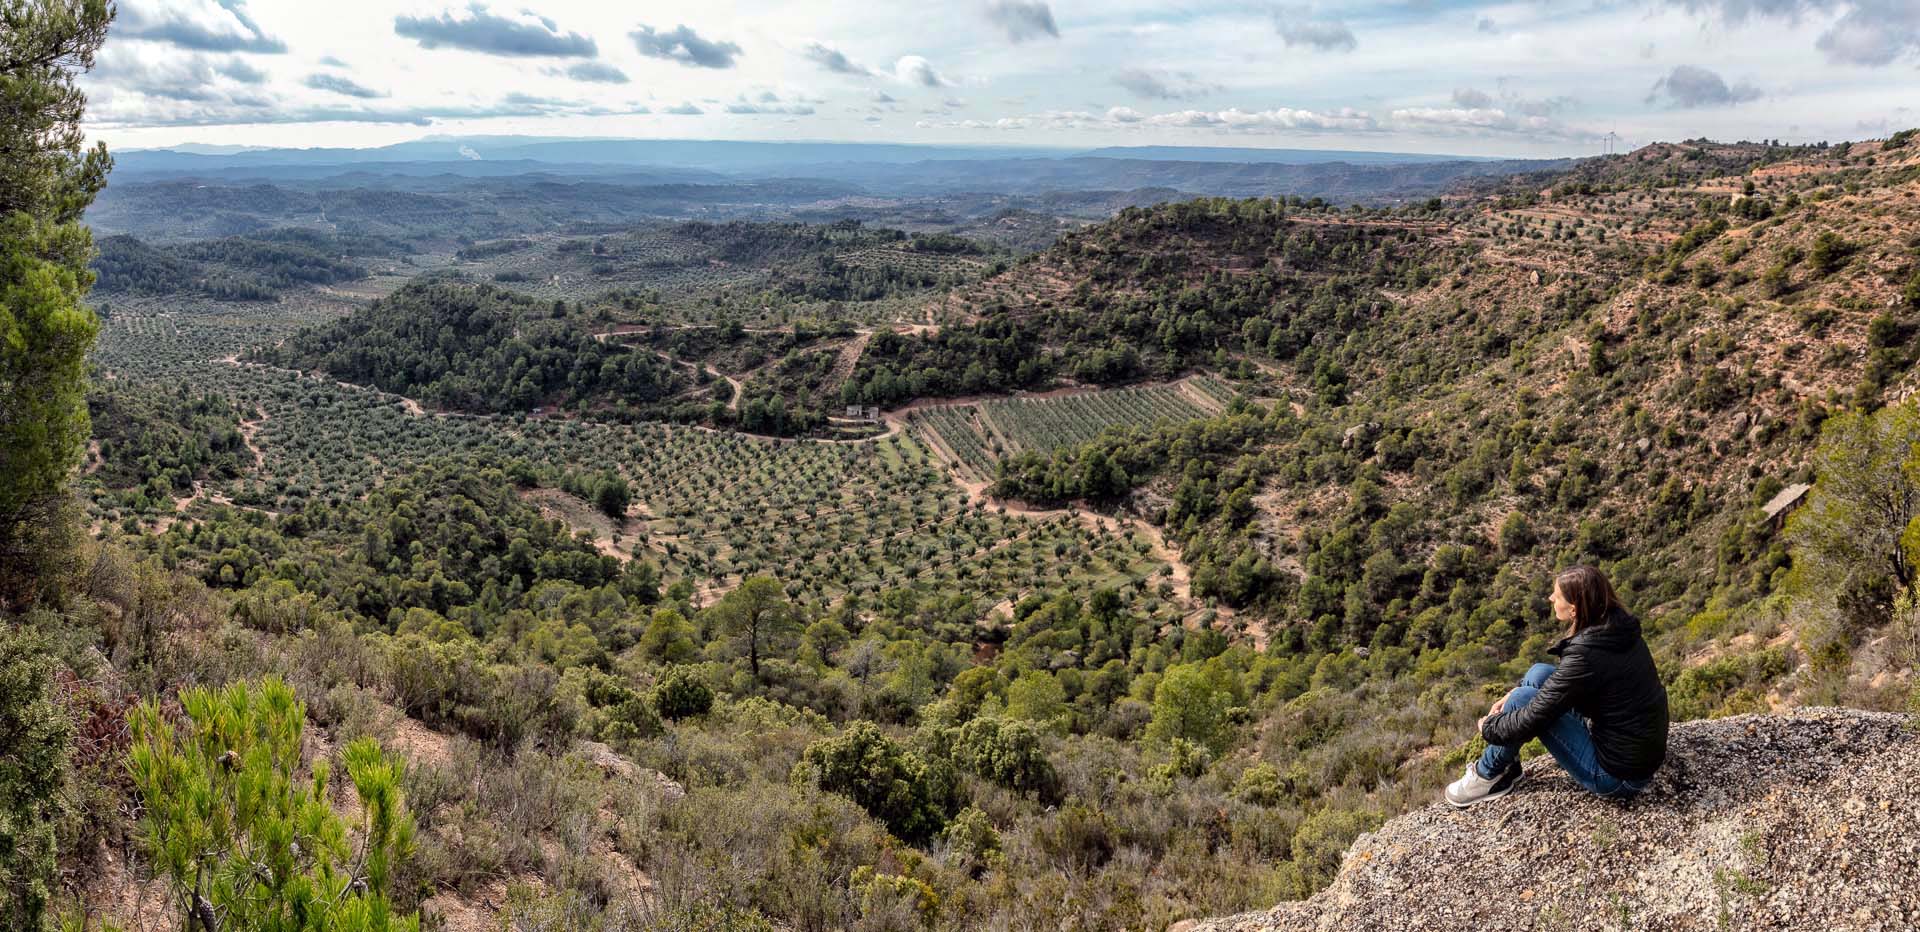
column 759, row 614
column 35, row 734
column 612, row 495
column 1191, row 703
column 45, row 331
column 244, row 844
column 1866, row 494
column 1857, row 537
column 668, row 638
column 1037, row 696
column 1516, row 534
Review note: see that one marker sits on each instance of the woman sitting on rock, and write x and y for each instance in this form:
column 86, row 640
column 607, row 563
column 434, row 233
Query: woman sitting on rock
column 1602, row 712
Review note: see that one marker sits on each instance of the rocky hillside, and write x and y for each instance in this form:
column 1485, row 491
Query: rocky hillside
column 1805, row 820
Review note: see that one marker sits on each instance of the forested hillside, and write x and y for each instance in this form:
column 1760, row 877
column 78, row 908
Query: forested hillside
column 756, row 575
column 480, row 349
column 237, row 268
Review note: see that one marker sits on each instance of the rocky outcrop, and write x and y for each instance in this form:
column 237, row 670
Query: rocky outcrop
column 615, row 766
column 1804, row 820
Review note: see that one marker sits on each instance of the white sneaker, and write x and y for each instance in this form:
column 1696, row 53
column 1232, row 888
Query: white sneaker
column 1473, row 788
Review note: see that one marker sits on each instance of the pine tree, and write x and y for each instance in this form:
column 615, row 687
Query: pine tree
column 45, row 331
column 244, row 842
column 759, row 614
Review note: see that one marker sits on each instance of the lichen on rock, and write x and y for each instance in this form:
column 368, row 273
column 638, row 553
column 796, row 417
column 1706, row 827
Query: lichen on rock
column 1804, row 820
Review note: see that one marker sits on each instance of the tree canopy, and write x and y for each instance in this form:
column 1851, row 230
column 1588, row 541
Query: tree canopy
column 46, row 182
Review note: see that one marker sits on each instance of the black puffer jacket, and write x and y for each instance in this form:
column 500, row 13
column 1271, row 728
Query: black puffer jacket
column 1606, row 675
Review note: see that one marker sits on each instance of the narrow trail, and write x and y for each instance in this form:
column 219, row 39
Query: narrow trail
column 733, row 403
column 892, row 326
column 249, row 429
column 412, row 406
column 180, row 505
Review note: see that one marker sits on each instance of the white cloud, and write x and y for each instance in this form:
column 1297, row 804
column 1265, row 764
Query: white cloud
column 1021, row 20
column 1486, row 121
column 1690, row 86
column 1284, row 118
column 1300, row 26
column 1162, row 85
column 913, row 69
column 202, row 25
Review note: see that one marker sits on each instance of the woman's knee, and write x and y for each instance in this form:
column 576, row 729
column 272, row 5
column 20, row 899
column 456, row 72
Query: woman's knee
column 1521, row 695
column 1537, row 675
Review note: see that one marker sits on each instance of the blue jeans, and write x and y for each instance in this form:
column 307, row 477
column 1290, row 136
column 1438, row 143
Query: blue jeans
column 1567, row 739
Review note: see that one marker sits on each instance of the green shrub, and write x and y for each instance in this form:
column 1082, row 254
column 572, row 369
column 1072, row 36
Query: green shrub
column 887, row 900
column 1323, row 839
column 1776, row 280
column 1260, row 785
column 1185, row 761
column 682, row 693
column 617, row 711
column 1702, row 691
column 35, row 734
column 1077, row 837
column 1008, row 753
column 893, row 784
column 971, row 837
column 1830, row 252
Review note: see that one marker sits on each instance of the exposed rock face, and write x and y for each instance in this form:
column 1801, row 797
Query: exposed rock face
column 615, row 766
column 1806, row 820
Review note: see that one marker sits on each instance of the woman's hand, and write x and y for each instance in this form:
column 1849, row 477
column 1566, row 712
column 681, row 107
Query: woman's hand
column 1499, row 705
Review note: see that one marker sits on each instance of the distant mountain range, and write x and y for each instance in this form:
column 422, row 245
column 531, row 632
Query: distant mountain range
column 726, row 156
column 884, row 170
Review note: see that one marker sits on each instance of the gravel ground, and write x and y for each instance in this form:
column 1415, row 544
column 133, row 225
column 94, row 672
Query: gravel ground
column 1804, row 820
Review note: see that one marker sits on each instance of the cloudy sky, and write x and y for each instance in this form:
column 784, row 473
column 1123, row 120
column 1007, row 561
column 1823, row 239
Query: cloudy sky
column 1531, row 77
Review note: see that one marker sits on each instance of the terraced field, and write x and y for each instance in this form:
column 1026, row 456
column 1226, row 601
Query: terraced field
column 978, row 434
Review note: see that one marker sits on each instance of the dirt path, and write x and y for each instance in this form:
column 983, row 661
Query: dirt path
column 733, row 403
column 412, row 406
column 251, row 429
column 180, row 506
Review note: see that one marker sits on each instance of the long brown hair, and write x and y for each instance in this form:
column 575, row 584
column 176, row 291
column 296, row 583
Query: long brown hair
column 1592, row 596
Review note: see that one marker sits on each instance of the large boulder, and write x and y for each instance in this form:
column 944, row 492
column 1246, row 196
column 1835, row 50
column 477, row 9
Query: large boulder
column 1804, row 820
